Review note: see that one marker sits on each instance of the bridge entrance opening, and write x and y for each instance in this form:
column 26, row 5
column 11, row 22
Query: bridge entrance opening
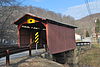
column 32, row 32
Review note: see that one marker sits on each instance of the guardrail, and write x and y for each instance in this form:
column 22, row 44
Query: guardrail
column 6, row 51
column 82, row 43
column 82, row 47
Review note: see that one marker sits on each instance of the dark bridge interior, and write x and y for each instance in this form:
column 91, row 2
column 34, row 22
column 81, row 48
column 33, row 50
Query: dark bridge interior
column 28, row 34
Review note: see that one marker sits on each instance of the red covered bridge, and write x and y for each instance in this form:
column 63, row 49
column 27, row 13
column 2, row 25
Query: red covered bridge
column 57, row 37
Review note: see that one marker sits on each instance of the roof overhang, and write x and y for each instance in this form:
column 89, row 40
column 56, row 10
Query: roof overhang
column 27, row 16
column 44, row 20
column 60, row 24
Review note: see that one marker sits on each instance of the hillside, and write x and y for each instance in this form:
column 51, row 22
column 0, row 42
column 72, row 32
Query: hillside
column 8, row 30
column 94, row 16
column 86, row 24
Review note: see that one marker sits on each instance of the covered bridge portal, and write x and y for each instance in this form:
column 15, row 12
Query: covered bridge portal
column 57, row 37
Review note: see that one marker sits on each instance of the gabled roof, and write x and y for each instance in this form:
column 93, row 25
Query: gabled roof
column 28, row 15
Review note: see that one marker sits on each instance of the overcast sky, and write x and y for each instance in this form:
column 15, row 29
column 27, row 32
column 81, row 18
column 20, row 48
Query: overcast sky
column 74, row 8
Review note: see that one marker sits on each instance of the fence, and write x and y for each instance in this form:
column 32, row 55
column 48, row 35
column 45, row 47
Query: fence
column 6, row 51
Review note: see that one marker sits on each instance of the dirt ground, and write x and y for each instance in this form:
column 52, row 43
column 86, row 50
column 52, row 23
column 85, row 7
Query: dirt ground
column 33, row 62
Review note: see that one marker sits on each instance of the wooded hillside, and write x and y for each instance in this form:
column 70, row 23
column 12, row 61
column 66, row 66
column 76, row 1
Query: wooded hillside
column 9, row 13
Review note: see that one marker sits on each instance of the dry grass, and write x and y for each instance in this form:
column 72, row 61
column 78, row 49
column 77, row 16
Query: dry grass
column 91, row 57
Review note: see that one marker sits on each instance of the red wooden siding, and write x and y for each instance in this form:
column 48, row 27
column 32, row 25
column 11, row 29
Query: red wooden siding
column 60, row 39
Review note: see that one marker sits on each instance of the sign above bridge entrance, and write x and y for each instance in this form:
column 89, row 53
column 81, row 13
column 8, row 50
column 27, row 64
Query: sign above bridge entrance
column 31, row 21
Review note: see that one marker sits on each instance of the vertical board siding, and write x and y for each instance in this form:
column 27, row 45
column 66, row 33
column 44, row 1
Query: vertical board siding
column 60, row 39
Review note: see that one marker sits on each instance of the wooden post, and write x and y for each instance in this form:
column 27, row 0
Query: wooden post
column 19, row 26
column 7, row 58
column 30, row 54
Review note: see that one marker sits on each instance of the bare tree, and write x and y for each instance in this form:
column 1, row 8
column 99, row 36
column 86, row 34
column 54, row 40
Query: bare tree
column 7, row 8
column 10, row 11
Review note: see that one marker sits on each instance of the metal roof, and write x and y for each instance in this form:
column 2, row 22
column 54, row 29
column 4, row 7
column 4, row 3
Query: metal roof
column 25, row 17
column 60, row 23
